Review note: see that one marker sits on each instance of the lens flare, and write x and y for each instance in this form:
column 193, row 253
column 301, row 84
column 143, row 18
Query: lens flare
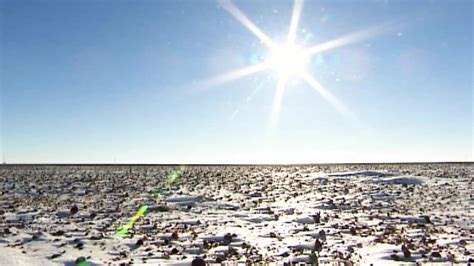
column 172, row 177
column 288, row 59
column 233, row 75
column 276, row 107
column 295, row 17
column 240, row 16
column 124, row 229
column 175, row 174
column 82, row 262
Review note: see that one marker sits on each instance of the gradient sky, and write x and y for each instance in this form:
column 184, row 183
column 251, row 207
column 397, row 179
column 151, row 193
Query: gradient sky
column 105, row 81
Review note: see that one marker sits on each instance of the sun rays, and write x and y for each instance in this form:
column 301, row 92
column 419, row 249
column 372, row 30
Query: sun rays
column 240, row 16
column 295, row 17
column 288, row 59
column 235, row 74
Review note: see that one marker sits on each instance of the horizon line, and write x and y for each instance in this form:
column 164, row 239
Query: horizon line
column 234, row 164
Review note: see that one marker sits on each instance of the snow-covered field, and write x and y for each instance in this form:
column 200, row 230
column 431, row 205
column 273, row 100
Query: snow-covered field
column 359, row 214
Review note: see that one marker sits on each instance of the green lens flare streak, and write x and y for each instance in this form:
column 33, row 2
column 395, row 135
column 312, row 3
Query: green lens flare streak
column 83, row 263
column 175, row 174
column 124, row 229
column 172, row 177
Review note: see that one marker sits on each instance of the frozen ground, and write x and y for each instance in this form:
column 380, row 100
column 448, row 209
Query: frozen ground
column 360, row 214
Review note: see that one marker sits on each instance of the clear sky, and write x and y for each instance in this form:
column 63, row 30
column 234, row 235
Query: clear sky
column 141, row 82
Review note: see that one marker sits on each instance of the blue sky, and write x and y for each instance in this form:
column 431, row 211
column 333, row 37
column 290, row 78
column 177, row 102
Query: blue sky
column 126, row 81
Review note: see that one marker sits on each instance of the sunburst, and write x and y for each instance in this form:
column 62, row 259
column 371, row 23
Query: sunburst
column 289, row 59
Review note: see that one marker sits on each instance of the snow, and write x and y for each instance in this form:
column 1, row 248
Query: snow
column 260, row 213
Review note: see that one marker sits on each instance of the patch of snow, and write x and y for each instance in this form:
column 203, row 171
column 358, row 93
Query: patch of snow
column 399, row 180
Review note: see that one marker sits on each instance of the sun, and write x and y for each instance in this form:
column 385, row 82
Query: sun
column 287, row 60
